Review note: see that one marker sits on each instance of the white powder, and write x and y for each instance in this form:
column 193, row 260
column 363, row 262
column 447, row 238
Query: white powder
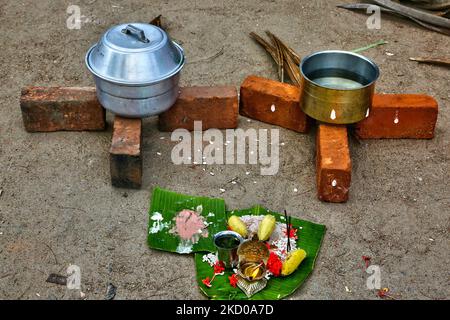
column 184, row 247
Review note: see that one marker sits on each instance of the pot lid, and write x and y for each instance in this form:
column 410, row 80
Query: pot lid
column 135, row 54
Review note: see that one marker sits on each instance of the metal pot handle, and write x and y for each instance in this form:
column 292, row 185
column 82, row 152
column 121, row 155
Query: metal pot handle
column 135, row 31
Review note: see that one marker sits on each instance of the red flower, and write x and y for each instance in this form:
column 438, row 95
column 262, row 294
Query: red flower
column 381, row 293
column 233, row 280
column 384, row 293
column 274, row 264
column 267, row 245
column 219, row 267
column 292, row 232
column 207, row 282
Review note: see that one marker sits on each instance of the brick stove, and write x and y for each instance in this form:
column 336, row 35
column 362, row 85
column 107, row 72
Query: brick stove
column 394, row 116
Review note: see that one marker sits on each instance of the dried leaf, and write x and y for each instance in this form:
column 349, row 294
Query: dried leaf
column 364, row 6
column 293, row 69
column 157, row 21
column 280, row 58
column 431, row 4
column 284, row 56
column 268, row 47
column 292, row 53
column 57, row 279
column 209, row 58
column 361, row 6
column 439, row 61
column 425, row 17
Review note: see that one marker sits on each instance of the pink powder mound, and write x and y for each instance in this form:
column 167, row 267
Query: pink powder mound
column 189, row 225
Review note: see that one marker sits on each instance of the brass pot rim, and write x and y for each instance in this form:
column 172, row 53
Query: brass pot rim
column 306, row 59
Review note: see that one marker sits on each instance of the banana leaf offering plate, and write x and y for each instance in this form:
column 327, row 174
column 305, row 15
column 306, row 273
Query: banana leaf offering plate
column 287, row 248
column 305, row 235
column 184, row 224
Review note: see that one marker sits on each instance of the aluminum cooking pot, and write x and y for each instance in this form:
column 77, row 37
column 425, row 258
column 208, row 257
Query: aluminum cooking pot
column 136, row 69
column 337, row 86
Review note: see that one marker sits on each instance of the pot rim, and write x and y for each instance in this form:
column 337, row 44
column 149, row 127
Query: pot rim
column 371, row 62
column 132, row 83
column 228, row 233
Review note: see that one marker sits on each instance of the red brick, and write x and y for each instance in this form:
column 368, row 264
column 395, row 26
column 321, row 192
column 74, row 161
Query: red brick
column 333, row 163
column 400, row 116
column 126, row 154
column 46, row 109
column 273, row 102
column 216, row 107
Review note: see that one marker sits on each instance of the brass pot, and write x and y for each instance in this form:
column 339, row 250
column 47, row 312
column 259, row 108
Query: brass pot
column 337, row 86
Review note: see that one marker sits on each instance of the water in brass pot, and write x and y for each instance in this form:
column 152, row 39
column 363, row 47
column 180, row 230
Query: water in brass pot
column 338, row 79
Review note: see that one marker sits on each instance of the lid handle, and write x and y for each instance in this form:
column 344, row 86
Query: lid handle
column 135, row 31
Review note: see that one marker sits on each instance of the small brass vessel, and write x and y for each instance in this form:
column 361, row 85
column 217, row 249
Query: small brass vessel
column 252, row 271
column 253, row 256
column 253, row 251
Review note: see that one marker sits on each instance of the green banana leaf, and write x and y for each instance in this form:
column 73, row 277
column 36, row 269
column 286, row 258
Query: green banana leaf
column 168, row 204
column 309, row 238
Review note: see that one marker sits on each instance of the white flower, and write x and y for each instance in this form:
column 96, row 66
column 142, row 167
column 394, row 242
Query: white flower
column 210, row 258
column 156, row 216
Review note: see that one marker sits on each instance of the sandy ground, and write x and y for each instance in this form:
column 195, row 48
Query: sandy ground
column 57, row 206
